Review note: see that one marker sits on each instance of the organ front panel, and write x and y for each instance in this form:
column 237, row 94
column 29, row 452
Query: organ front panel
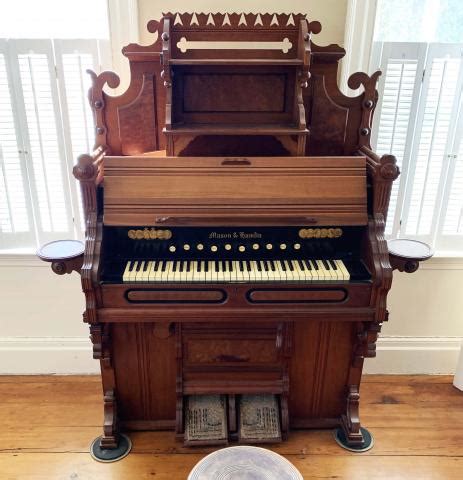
column 235, row 266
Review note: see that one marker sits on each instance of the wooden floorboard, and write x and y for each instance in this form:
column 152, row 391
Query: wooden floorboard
column 48, row 422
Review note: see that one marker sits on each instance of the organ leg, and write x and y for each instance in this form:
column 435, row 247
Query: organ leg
column 112, row 445
column 351, row 435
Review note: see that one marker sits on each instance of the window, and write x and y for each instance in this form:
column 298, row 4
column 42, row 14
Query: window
column 419, row 119
column 45, row 120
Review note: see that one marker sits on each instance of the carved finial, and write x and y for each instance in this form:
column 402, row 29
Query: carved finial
column 389, row 169
column 226, row 20
column 84, row 169
column 274, row 20
column 290, row 20
column 258, row 20
column 242, row 20
column 210, row 20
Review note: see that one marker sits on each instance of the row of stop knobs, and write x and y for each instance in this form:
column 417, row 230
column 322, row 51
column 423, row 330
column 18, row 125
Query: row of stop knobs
column 241, row 248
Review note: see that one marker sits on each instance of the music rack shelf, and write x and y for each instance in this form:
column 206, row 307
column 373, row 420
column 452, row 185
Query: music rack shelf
column 238, row 129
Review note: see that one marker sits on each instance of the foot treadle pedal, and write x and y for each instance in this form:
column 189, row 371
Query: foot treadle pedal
column 205, row 420
column 259, row 419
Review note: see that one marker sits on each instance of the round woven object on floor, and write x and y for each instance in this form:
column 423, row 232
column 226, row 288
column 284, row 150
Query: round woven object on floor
column 244, row 463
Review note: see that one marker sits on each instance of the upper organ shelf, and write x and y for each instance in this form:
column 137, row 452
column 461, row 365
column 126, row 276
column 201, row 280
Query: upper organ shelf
column 236, row 85
column 238, row 81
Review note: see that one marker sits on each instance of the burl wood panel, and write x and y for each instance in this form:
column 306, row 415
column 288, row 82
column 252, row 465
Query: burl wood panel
column 137, row 120
column 319, row 367
column 145, row 369
column 234, row 93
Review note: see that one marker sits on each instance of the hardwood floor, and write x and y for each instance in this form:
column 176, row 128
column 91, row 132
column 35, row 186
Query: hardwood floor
column 47, row 423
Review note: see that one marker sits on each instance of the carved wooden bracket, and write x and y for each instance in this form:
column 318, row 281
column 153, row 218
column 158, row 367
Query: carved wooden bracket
column 365, row 347
column 66, row 256
column 96, row 98
column 405, row 255
column 370, row 97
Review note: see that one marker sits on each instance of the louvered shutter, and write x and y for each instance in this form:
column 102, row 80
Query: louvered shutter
column 450, row 232
column 402, row 65
column 45, row 123
column 33, row 64
column 16, row 222
column 435, row 130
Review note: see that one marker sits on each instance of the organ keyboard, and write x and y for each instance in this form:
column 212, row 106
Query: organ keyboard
column 203, row 271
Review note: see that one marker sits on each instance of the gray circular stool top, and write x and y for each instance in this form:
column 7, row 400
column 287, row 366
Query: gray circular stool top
column 244, row 463
column 60, row 250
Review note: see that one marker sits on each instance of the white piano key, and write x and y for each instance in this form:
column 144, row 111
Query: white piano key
column 126, row 274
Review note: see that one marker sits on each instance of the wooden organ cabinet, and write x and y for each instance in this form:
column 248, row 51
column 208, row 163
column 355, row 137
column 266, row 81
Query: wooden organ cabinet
column 235, row 268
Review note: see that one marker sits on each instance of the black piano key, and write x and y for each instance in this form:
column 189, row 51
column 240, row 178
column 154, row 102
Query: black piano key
column 308, row 265
column 138, row 266
column 145, row 268
column 216, row 266
column 163, row 266
column 180, row 266
column 326, row 264
column 132, row 264
column 283, row 266
column 259, row 266
column 301, row 264
column 188, row 265
column 265, row 266
column 333, row 264
column 290, row 266
column 315, row 264
column 272, row 265
column 156, row 265
column 206, row 266
column 174, row 267
column 241, row 264
column 230, row 266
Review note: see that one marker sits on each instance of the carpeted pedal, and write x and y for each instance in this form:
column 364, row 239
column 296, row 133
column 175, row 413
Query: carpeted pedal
column 206, row 420
column 259, row 419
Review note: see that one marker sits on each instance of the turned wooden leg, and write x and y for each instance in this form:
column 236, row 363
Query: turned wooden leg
column 110, row 437
column 350, row 422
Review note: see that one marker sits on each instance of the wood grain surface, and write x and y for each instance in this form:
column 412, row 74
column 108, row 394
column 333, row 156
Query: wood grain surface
column 49, row 421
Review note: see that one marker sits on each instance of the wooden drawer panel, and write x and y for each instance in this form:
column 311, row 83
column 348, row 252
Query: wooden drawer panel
column 237, row 347
column 226, row 351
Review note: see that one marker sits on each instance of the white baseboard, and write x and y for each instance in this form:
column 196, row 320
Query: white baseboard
column 73, row 355
column 415, row 355
column 46, row 355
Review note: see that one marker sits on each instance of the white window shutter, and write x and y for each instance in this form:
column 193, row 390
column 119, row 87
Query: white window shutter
column 402, row 65
column 16, row 222
column 436, row 121
column 33, row 63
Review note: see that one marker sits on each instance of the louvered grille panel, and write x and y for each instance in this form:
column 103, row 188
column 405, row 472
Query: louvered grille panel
column 79, row 115
column 14, row 217
column 43, row 139
column 432, row 145
column 396, row 108
column 453, row 220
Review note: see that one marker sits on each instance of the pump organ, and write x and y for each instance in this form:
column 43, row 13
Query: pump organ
column 248, row 261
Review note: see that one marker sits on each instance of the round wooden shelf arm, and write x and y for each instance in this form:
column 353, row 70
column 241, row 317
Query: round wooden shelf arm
column 405, row 255
column 65, row 256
